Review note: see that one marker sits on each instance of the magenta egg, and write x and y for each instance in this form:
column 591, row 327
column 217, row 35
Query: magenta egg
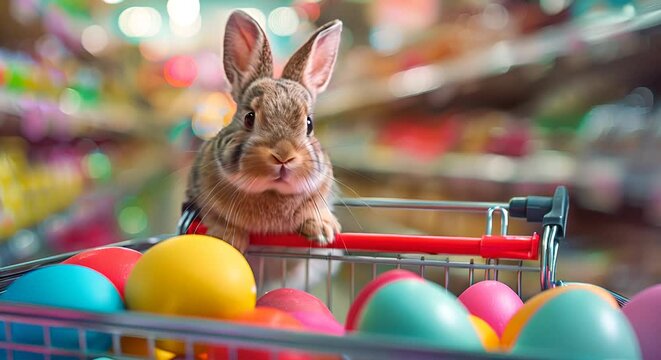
column 493, row 302
column 319, row 322
column 645, row 317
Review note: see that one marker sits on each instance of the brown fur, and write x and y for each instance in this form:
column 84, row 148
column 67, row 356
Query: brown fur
column 233, row 179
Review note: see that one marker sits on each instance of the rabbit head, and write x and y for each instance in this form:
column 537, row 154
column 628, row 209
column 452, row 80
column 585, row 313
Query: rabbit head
column 270, row 143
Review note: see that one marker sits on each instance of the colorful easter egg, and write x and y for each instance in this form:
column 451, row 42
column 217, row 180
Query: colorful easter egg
column 487, row 334
column 366, row 293
column 261, row 317
column 422, row 312
column 191, row 275
column 570, row 322
column 644, row 314
column 293, row 300
column 319, row 322
column 115, row 263
column 493, row 302
column 68, row 287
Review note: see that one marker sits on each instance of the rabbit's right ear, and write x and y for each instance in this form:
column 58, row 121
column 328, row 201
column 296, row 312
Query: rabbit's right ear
column 246, row 52
column 312, row 64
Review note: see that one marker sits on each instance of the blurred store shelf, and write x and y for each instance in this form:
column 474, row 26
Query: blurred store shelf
column 546, row 167
column 572, row 39
column 108, row 120
column 92, row 212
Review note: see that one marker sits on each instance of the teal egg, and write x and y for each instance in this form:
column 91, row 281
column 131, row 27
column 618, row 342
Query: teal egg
column 64, row 286
column 421, row 311
column 578, row 324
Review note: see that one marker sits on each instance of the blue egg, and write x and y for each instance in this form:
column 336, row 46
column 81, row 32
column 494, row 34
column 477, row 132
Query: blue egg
column 65, row 286
column 419, row 311
column 581, row 322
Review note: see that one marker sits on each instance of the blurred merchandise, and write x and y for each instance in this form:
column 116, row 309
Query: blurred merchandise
column 622, row 142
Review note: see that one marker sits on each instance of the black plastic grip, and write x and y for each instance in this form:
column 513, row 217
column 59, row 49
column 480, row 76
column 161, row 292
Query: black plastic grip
column 543, row 209
column 532, row 208
column 188, row 213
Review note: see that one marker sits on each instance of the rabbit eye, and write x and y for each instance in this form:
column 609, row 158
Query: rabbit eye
column 249, row 120
column 310, row 126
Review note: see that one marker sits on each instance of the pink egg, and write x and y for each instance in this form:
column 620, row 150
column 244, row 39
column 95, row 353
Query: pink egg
column 493, row 302
column 319, row 323
column 292, row 300
column 645, row 318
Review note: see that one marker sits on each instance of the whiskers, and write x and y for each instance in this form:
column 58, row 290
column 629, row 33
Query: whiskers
column 336, row 181
column 333, row 178
column 233, row 213
column 328, row 206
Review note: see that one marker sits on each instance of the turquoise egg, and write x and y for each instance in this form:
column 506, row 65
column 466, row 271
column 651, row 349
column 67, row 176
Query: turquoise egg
column 420, row 311
column 64, row 286
column 579, row 323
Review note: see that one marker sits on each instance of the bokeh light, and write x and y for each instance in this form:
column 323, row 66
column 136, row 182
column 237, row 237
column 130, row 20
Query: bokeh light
column 94, row 39
column 186, row 30
column 553, row 7
column 16, row 76
column 414, row 81
column 210, row 74
column 407, row 15
column 311, row 10
column 386, row 39
column 140, row 21
column 70, row 101
column 283, row 21
column 180, row 71
column 183, row 12
column 495, row 16
column 133, row 220
column 98, row 166
column 212, row 114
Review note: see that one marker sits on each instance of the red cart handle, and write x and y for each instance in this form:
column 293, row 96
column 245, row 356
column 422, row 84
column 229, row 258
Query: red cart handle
column 488, row 246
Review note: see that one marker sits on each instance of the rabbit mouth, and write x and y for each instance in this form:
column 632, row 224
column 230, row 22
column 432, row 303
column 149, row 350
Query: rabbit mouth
column 284, row 175
column 286, row 182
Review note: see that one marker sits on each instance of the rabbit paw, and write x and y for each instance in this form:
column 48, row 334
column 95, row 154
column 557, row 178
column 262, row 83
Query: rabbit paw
column 321, row 231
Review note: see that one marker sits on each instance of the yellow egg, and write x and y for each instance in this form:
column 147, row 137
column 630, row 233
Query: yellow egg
column 139, row 347
column 192, row 275
column 486, row 334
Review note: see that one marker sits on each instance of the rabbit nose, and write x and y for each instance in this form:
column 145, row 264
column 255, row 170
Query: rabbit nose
column 282, row 160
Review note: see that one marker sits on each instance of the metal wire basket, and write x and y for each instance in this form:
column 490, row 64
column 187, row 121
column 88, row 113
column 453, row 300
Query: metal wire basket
column 489, row 255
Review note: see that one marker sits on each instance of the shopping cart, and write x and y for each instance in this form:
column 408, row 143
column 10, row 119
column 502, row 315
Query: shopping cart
column 488, row 256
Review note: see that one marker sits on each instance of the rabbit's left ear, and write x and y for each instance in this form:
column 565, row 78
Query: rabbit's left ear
column 312, row 65
column 246, row 52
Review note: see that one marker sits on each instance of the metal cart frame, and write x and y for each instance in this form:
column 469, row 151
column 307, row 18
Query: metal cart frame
column 373, row 249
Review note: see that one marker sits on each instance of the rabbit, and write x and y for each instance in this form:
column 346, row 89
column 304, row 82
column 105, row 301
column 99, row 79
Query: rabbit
column 266, row 172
